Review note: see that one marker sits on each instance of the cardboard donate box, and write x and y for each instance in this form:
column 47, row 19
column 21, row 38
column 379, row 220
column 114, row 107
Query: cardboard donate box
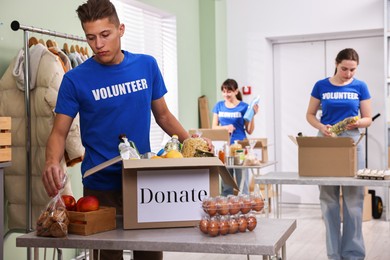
column 161, row 193
column 326, row 156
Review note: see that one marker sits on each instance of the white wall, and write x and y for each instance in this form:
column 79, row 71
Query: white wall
column 251, row 22
column 252, row 27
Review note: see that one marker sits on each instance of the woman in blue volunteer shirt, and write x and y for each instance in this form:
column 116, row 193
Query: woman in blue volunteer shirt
column 342, row 96
column 229, row 114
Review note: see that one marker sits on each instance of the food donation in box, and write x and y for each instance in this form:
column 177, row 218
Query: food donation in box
column 326, row 156
column 166, row 192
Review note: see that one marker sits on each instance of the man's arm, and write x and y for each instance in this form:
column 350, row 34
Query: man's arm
column 167, row 121
column 53, row 173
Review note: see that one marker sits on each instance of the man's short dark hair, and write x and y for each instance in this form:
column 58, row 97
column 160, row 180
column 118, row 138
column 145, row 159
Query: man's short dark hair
column 94, row 10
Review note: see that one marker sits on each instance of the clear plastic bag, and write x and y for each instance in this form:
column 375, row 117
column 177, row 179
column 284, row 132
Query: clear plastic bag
column 54, row 221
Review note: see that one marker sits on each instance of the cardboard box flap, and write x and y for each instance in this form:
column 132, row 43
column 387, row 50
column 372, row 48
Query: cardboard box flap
column 325, row 142
column 195, row 162
column 212, row 134
column 102, row 166
column 260, row 142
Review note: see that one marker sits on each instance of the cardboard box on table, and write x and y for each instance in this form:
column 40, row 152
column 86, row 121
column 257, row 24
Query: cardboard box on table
column 326, row 156
column 161, row 193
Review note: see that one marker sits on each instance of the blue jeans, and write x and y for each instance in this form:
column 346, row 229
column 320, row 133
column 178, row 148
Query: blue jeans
column 237, row 173
column 344, row 242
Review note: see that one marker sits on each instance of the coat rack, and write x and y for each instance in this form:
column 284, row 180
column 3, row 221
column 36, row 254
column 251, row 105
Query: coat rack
column 15, row 25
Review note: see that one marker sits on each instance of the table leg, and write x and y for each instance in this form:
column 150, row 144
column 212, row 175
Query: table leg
column 36, row 253
column 266, row 205
column 387, row 203
column 59, row 252
column 284, row 257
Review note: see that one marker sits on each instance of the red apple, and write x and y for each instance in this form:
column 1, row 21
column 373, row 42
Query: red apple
column 70, row 202
column 87, row 203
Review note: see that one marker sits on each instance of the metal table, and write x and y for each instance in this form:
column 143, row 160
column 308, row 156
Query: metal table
column 280, row 178
column 267, row 239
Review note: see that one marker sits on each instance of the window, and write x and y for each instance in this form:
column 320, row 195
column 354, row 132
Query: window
column 152, row 32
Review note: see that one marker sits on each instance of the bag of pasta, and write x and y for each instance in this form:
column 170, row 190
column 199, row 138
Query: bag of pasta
column 54, row 221
column 192, row 144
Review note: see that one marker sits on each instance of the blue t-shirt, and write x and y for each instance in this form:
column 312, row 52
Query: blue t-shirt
column 233, row 116
column 339, row 102
column 111, row 100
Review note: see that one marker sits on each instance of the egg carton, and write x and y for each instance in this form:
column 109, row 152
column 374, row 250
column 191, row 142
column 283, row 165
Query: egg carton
column 373, row 174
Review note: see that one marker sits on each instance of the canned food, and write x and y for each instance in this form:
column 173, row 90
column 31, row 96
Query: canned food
column 230, row 160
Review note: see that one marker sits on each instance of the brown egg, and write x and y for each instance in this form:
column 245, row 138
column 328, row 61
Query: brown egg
column 242, row 224
column 257, row 203
column 213, row 229
column 203, row 225
column 212, row 208
column 223, row 226
column 252, row 222
column 233, row 225
column 234, row 206
column 205, row 202
column 223, row 207
column 246, row 206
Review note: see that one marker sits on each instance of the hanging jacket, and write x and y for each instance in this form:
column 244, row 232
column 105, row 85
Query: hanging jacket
column 46, row 75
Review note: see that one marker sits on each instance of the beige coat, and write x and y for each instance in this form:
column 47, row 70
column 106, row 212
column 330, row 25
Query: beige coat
column 47, row 72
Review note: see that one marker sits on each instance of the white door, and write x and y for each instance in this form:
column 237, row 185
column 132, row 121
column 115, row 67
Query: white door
column 297, row 67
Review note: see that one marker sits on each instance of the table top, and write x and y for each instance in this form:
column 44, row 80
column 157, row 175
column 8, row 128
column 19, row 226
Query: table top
column 266, row 239
column 294, row 178
column 5, row 164
column 262, row 165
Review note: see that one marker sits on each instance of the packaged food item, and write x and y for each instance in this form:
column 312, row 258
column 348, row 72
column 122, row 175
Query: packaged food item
column 127, row 148
column 251, row 222
column 202, row 153
column 229, row 215
column 341, row 126
column 234, row 147
column 239, row 157
column 190, row 146
column 54, row 221
column 257, row 202
column 221, row 155
column 173, row 144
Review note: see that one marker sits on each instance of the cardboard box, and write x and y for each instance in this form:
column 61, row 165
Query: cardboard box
column 160, row 193
column 212, row 134
column 326, row 156
column 92, row 222
column 204, row 117
column 388, row 157
column 5, row 139
column 261, row 144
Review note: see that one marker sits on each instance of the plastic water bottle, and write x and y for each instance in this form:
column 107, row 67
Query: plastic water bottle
column 250, row 112
column 173, row 144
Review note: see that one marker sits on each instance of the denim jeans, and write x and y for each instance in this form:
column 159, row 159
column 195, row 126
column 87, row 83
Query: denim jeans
column 344, row 241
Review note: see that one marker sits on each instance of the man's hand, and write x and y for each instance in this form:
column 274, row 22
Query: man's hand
column 53, row 178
